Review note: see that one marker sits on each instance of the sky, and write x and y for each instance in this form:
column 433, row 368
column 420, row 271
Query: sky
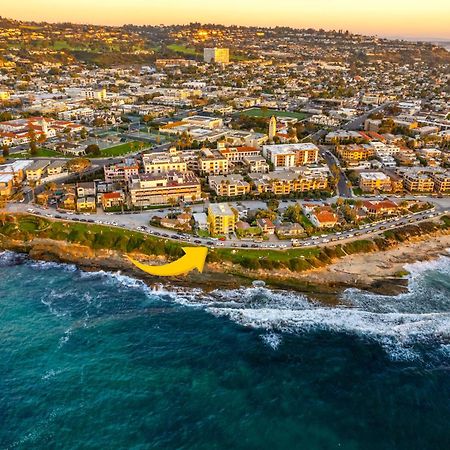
column 390, row 18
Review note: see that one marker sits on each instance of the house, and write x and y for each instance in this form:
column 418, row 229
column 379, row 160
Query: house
column 184, row 218
column 380, row 207
column 86, row 204
column 112, row 199
column 323, row 217
column 86, row 189
column 266, row 225
column 290, row 230
column 201, row 221
column 68, row 202
column 173, row 224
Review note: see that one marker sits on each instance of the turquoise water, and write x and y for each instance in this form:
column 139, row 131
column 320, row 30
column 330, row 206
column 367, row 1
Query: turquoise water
column 96, row 360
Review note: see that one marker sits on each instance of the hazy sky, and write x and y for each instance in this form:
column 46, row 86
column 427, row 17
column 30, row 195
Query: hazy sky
column 408, row 18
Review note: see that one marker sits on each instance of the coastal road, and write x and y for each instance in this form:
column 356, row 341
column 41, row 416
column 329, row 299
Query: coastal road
column 140, row 222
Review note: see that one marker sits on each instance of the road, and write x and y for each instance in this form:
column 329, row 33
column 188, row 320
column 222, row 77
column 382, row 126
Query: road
column 140, row 222
column 343, row 188
column 357, row 123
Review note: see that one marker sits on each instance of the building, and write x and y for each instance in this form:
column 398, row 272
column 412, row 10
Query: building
column 6, row 185
column 201, row 221
column 164, row 162
column 56, row 168
column 256, row 164
column 441, row 182
column 289, row 230
column 111, row 200
column 211, row 162
column 221, row 218
column 86, row 204
column 121, row 172
column 17, row 169
column 163, row 189
column 418, row 182
column 266, row 226
column 216, row 55
column 323, row 217
column 377, row 208
column 238, row 154
column 353, row 152
column 229, row 185
column 287, row 182
column 35, row 171
column 94, row 94
column 272, row 128
column 86, row 189
column 285, row 156
column 375, row 181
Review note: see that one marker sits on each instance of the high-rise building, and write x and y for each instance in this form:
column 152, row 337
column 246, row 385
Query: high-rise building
column 216, row 55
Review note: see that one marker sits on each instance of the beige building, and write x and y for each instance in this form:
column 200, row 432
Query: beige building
column 216, row 55
column 35, row 171
column 375, row 181
column 164, row 162
column 229, row 185
column 441, row 182
column 238, row 154
column 286, row 156
column 286, row 182
column 419, row 182
column 6, row 185
column 162, row 189
column 211, row 162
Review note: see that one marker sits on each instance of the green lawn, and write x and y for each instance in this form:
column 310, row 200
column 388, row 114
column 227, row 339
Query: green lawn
column 259, row 112
column 41, row 153
column 121, row 150
column 236, row 255
column 183, row 50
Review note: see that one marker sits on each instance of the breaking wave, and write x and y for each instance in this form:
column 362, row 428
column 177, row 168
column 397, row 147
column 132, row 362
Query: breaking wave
column 407, row 326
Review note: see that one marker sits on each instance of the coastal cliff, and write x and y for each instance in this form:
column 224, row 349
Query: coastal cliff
column 373, row 264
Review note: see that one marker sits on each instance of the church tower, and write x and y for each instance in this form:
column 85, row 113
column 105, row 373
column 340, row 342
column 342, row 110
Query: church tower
column 272, row 128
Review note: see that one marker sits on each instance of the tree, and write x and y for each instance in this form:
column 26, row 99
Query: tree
column 84, row 134
column 5, row 151
column 172, row 202
column 273, row 204
column 78, row 164
column 93, row 149
column 33, row 146
column 99, row 122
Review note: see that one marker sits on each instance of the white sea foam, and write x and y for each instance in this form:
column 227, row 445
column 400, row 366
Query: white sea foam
column 273, row 340
column 419, row 316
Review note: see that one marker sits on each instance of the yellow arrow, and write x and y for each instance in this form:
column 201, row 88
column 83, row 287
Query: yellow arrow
column 193, row 259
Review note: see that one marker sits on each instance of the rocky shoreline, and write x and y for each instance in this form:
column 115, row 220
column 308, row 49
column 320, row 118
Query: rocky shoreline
column 380, row 272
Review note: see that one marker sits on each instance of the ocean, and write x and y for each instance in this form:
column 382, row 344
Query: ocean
column 101, row 361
